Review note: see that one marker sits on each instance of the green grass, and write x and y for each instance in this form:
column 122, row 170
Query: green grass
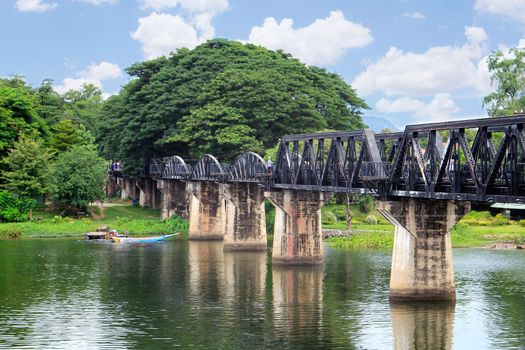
column 137, row 221
column 475, row 229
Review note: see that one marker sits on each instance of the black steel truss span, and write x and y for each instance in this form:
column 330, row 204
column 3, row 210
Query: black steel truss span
column 473, row 160
column 481, row 160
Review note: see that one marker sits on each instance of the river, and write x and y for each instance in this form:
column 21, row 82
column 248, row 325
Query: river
column 70, row 294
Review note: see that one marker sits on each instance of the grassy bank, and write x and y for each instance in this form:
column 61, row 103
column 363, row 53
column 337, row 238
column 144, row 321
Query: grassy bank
column 122, row 217
column 475, row 229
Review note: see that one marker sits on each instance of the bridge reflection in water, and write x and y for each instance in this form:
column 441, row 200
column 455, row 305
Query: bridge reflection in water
column 422, row 325
column 298, row 303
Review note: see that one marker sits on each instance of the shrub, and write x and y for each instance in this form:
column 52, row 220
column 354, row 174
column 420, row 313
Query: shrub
column 13, row 209
column 328, row 217
column 371, row 220
column 366, row 203
column 522, row 223
column 500, row 220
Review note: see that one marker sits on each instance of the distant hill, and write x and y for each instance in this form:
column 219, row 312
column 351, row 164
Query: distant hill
column 377, row 123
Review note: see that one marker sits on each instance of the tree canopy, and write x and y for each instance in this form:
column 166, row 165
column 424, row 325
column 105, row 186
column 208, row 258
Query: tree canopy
column 507, row 73
column 222, row 97
column 78, row 177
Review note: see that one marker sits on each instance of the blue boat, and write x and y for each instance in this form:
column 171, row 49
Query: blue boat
column 150, row 239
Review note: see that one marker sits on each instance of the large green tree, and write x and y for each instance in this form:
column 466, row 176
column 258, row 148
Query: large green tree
column 222, row 97
column 78, row 177
column 27, row 173
column 507, row 74
column 17, row 114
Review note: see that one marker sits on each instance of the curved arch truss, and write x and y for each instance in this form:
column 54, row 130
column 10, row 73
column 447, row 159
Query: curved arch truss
column 249, row 167
column 176, row 168
column 209, row 168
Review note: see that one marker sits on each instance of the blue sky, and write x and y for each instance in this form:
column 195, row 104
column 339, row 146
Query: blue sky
column 412, row 61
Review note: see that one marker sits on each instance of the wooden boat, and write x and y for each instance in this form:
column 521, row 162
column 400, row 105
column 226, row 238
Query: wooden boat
column 150, row 239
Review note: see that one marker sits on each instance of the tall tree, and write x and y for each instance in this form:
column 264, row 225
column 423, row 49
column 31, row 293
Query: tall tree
column 17, row 114
column 49, row 104
column 507, row 73
column 255, row 95
column 27, row 173
column 78, row 177
column 83, row 106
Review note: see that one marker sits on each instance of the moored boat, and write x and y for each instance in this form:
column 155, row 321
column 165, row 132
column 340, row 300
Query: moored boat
column 150, row 239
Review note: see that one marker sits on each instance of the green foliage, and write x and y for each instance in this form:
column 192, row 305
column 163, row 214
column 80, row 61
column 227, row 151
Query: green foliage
column 374, row 240
column 17, row 114
column 66, row 134
column 222, row 96
column 78, row 177
column 371, row 220
column 328, row 217
column 507, row 72
column 28, row 171
column 225, row 132
column 522, row 223
column 84, row 106
column 366, row 203
column 500, row 220
column 13, row 209
column 270, row 217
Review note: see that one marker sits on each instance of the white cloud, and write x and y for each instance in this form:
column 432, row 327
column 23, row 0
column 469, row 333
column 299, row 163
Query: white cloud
column 162, row 33
column 441, row 108
column 512, row 9
column 322, row 42
column 192, row 6
column 400, row 105
column 99, row 2
column 95, row 74
column 439, row 69
column 34, row 6
column 414, row 15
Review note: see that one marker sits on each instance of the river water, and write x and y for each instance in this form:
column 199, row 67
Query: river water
column 70, row 294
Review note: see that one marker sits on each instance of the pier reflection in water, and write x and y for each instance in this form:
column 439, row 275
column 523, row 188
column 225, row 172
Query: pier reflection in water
column 422, row 325
column 298, row 304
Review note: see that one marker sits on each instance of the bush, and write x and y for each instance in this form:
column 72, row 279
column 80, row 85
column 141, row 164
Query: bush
column 500, row 220
column 460, row 228
column 371, row 220
column 328, row 217
column 366, row 203
column 522, row 223
column 13, row 209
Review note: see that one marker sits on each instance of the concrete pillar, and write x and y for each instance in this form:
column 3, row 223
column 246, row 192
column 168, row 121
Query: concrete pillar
column 124, row 187
column 149, row 195
column 207, row 211
column 422, row 266
column 144, row 194
column 422, row 325
column 174, row 198
column 245, row 217
column 297, row 235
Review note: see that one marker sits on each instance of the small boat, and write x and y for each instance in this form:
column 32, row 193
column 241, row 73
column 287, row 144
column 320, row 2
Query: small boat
column 150, row 239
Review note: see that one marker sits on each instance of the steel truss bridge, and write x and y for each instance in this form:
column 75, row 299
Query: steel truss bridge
column 469, row 160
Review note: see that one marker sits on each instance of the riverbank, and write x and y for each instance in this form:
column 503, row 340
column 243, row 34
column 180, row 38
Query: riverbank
column 476, row 229
column 119, row 216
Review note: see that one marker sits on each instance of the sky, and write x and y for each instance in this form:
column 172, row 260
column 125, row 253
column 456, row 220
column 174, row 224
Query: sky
column 413, row 61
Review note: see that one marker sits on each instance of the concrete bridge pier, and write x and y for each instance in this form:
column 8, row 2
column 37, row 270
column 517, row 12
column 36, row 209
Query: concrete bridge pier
column 207, row 211
column 174, row 199
column 297, row 236
column 149, row 195
column 128, row 188
column 245, row 217
column 422, row 264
